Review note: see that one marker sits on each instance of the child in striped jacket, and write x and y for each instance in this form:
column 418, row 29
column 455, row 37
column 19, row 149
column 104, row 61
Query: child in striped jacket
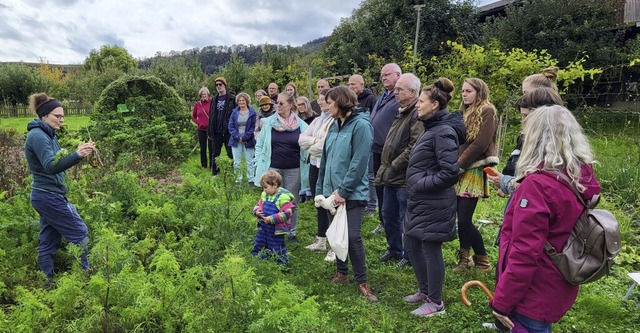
column 274, row 210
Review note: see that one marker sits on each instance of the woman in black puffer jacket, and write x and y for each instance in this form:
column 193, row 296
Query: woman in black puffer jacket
column 431, row 206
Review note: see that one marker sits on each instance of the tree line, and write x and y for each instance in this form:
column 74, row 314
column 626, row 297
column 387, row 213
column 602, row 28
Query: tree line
column 378, row 31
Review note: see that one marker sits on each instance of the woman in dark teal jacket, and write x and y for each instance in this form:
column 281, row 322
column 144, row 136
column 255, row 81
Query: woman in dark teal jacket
column 47, row 163
column 343, row 173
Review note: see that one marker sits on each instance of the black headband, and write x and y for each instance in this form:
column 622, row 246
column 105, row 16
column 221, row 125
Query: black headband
column 48, row 106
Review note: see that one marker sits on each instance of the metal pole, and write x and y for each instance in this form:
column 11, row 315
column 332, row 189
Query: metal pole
column 415, row 44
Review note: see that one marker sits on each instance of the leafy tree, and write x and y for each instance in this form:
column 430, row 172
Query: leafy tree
column 87, row 85
column 502, row 71
column 176, row 73
column 382, row 27
column 55, row 79
column 235, row 72
column 568, row 29
column 17, row 82
column 110, row 57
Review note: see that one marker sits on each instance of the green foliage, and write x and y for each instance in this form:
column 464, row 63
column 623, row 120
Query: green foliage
column 236, row 73
column 502, row 71
column 154, row 132
column 382, row 27
column 177, row 73
column 17, row 82
column 87, row 85
column 582, row 27
column 110, row 57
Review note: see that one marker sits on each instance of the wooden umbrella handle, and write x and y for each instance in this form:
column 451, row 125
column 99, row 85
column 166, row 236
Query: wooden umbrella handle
column 468, row 285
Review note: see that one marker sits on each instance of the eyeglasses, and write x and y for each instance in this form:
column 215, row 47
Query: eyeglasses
column 386, row 75
column 281, row 103
column 58, row 116
column 219, row 84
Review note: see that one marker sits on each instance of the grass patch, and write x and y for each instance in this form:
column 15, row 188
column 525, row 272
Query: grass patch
column 71, row 123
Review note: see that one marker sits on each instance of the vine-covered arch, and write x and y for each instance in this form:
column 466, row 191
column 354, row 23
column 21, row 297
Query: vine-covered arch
column 154, row 129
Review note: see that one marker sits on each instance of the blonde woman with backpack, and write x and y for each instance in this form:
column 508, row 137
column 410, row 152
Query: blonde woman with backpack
column 542, row 209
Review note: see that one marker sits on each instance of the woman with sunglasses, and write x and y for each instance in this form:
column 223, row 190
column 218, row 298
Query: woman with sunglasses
column 47, row 163
column 277, row 144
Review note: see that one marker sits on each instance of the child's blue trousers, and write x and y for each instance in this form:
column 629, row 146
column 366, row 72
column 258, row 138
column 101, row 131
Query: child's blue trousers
column 269, row 243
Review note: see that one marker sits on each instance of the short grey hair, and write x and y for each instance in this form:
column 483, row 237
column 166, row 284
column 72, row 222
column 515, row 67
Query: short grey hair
column 413, row 82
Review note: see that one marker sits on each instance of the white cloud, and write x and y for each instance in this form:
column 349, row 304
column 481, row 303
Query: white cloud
column 65, row 31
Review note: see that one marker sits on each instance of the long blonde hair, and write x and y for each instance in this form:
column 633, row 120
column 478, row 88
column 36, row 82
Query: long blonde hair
column 472, row 114
column 554, row 140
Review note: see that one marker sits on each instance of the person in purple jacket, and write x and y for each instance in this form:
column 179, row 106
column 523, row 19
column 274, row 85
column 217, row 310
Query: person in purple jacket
column 242, row 125
column 531, row 293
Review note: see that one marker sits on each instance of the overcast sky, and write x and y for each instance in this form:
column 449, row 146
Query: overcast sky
column 65, row 31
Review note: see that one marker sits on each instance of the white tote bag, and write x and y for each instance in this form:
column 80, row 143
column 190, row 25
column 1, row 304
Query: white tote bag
column 338, row 233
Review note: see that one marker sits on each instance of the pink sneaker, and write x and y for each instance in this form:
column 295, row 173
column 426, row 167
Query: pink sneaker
column 416, row 298
column 429, row 309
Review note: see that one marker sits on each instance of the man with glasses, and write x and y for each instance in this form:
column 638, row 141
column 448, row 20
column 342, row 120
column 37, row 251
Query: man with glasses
column 219, row 113
column 405, row 130
column 382, row 116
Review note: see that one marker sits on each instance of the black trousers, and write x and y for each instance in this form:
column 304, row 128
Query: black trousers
column 205, row 148
column 218, row 141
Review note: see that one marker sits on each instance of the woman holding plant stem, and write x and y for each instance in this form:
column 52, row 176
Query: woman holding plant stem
column 48, row 163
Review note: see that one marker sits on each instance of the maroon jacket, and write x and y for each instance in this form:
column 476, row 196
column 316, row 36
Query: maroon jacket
column 542, row 208
column 200, row 114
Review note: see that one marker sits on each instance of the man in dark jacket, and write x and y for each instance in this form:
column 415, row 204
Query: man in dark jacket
column 320, row 85
column 382, row 115
column 221, row 106
column 366, row 98
column 405, row 130
column 366, row 101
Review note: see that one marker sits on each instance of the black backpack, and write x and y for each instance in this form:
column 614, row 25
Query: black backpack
column 594, row 242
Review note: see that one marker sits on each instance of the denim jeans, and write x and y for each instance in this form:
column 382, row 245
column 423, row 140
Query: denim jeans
column 526, row 324
column 355, row 210
column 393, row 211
column 291, row 181
column 58, row 218
column 248, row 153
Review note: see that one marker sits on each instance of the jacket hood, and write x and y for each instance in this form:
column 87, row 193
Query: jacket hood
column 37, row 123
column 444, row 117
column 587, row 179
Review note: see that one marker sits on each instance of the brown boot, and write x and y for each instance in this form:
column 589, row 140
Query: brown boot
column 464, row 260
column 340, row 278
column 363, row 288
column 482, row 263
